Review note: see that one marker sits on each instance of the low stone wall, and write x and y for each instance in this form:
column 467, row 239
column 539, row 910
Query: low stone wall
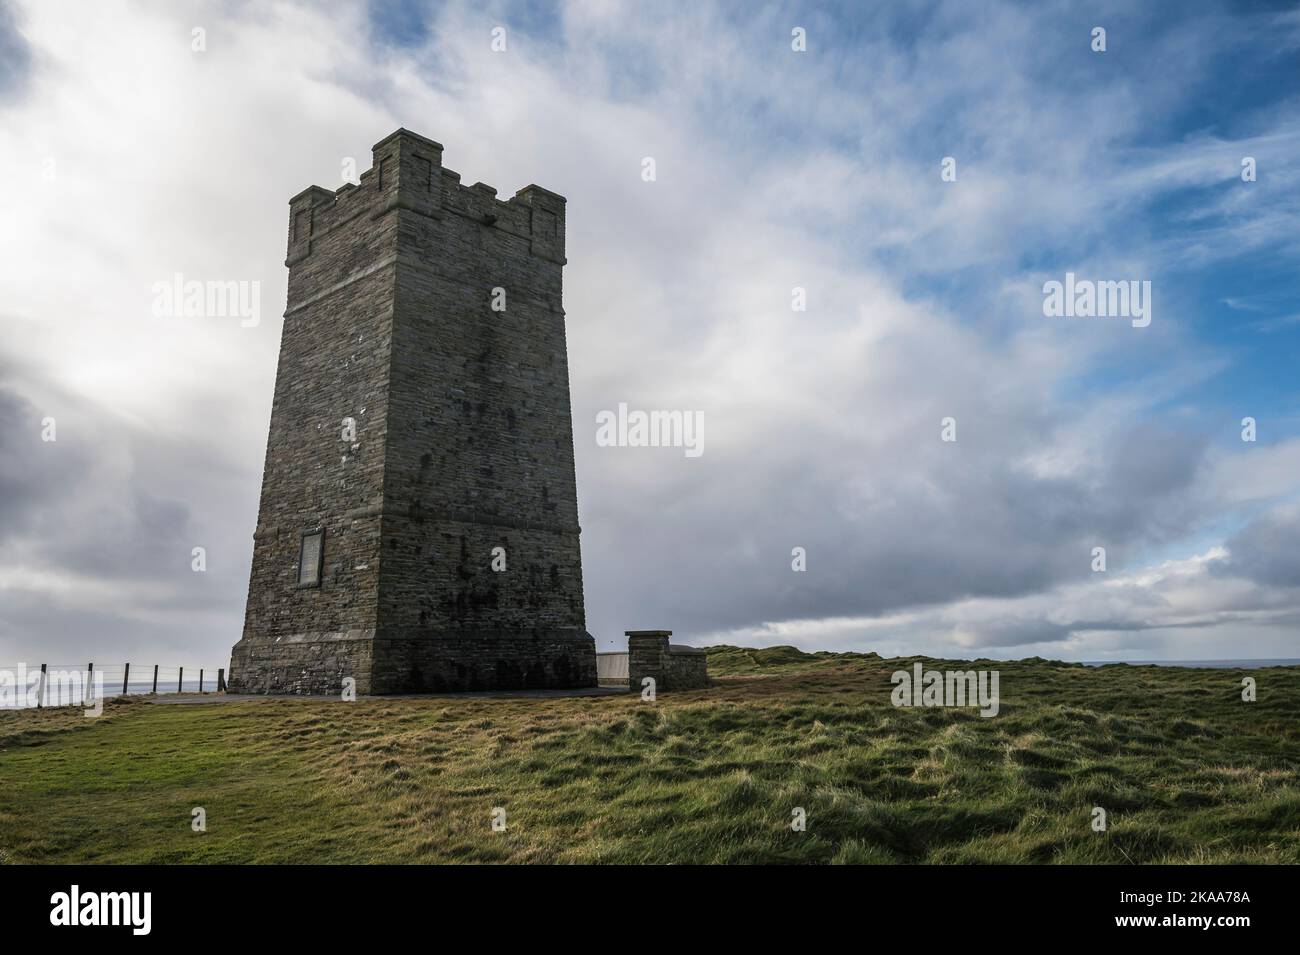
column 686, row 668
column 673, row 667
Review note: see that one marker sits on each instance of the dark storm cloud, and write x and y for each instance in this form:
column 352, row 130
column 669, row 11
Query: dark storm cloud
column 50, row 488
column 32, row 473
column 15, row 57
column 922, row 534
column 96, row 536
column 1266, row 551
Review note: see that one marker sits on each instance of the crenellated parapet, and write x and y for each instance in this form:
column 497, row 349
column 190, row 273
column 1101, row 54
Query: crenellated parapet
column 406, row 173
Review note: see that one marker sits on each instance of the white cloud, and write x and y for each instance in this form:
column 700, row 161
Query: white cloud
column 823, row 426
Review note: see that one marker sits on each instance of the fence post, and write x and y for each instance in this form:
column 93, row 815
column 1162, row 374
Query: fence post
column 221, row 679
column 126, row 675
column 155, row 679
column 40, row 692
column 200, row 679
column 180, row 680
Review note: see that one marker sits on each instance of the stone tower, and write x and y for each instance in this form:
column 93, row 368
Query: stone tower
column 418, row 526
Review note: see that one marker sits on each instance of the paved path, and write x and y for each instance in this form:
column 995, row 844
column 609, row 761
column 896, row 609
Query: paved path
column 183, row 698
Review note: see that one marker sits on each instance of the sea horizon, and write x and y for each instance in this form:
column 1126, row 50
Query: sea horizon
column 1203, row 664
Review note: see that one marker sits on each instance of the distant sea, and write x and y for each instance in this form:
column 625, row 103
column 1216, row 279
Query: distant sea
column 1203, row 664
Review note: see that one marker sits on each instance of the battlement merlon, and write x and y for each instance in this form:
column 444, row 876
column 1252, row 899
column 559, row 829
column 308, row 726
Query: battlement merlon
column 546, row 224
column 407, row 173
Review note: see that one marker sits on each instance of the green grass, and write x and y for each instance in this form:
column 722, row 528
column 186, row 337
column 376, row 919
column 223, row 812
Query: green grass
column 1186, row 771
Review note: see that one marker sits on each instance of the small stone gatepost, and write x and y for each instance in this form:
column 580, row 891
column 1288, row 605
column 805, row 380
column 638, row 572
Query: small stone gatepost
column 673, row 667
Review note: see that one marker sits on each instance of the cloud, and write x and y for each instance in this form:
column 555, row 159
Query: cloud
column 775, row 170
column 1267, row 550
column 99, row 526
column 1177, row 609
column 15, row 57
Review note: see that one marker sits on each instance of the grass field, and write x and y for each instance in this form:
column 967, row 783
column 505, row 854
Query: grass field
column 1186, row 771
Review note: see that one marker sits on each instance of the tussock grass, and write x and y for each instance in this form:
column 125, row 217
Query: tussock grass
column 1185, row 770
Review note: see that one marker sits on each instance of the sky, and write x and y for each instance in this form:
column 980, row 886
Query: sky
column 136, row 149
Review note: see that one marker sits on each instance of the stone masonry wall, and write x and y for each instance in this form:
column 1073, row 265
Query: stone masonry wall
column 304, row 663
column 686, row 668
column 480, row 451
column 484, row 660
column 335, row 353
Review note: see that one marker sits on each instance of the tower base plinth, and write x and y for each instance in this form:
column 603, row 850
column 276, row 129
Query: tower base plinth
column 418, row 661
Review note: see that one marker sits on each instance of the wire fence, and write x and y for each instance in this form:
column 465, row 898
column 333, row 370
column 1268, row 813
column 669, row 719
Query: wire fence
column 81, row 684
